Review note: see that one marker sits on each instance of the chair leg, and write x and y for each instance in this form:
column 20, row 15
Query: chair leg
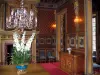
column 49, row 60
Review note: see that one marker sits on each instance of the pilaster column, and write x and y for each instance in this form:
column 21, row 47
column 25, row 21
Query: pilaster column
column 34, row 51
column 0, row 49
column 58, row 37
column 88, row 37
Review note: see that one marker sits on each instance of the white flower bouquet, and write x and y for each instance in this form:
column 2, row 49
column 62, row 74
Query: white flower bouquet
column 21, row 48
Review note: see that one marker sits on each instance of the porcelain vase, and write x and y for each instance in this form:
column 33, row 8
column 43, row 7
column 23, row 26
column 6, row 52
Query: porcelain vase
column 21, row 69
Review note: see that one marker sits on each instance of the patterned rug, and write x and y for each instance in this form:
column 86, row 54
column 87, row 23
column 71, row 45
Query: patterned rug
column 52, row 69
column 57, row 64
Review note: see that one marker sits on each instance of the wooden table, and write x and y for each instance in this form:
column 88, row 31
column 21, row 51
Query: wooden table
column 33, row 69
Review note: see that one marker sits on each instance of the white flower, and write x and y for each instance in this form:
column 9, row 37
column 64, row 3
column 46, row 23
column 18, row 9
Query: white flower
column 69, row 48
column 16, row 41
column 20, row 44
column 28, row 44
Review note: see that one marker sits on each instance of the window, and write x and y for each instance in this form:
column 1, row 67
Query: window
column 94, row 34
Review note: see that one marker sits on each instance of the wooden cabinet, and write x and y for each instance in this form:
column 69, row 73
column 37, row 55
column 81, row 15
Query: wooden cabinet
column 72, row 63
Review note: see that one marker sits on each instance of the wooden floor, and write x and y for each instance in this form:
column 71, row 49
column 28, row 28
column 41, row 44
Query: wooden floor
column 33, row 69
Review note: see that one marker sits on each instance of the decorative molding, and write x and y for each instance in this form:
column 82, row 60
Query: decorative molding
column 61, row 2
column 41, row 41
column 3, row 32
column 52, row 5
column 72, row 42
column 46, row 5
column 81, row 42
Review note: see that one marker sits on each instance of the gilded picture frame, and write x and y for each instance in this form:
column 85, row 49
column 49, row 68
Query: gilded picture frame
column 81, row 41
column 72, row 42
column 48, row 41
column 41, row 41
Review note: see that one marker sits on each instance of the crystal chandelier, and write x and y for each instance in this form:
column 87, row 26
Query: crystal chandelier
column 21, row 18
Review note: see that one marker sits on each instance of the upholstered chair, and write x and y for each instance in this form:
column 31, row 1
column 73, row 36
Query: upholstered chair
column 42, row 56
column 50, row 56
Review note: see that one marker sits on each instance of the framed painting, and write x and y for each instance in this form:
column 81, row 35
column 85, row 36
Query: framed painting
column 41, row 41
column 81, row 41
column 48, row 40
column 72, row 41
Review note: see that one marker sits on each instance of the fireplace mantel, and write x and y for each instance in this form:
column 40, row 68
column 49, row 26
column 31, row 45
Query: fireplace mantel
column 3, row 32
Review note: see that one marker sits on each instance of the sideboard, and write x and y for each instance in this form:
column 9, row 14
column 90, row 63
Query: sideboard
column 72, row 63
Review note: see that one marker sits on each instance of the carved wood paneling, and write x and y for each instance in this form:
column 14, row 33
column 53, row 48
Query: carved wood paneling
column 70, row 63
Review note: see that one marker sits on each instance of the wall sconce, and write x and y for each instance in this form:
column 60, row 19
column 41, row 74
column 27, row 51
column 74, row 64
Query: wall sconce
column 77, row 19
column 54, row 26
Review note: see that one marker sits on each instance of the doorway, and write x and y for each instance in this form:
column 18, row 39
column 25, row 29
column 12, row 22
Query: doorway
column 9, row 52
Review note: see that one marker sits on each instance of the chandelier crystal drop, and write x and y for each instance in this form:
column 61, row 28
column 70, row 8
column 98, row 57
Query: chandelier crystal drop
column 21, row 18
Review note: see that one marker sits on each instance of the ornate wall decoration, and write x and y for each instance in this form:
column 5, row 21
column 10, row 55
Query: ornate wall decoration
column 41, row 40
column 63, row 30
column 76, row 7
column 72, row 42
column 48, row 41
column 81, row 41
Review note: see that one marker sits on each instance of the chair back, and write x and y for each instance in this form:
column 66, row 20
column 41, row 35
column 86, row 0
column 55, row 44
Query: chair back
column 42, row 53
column 49, row 53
